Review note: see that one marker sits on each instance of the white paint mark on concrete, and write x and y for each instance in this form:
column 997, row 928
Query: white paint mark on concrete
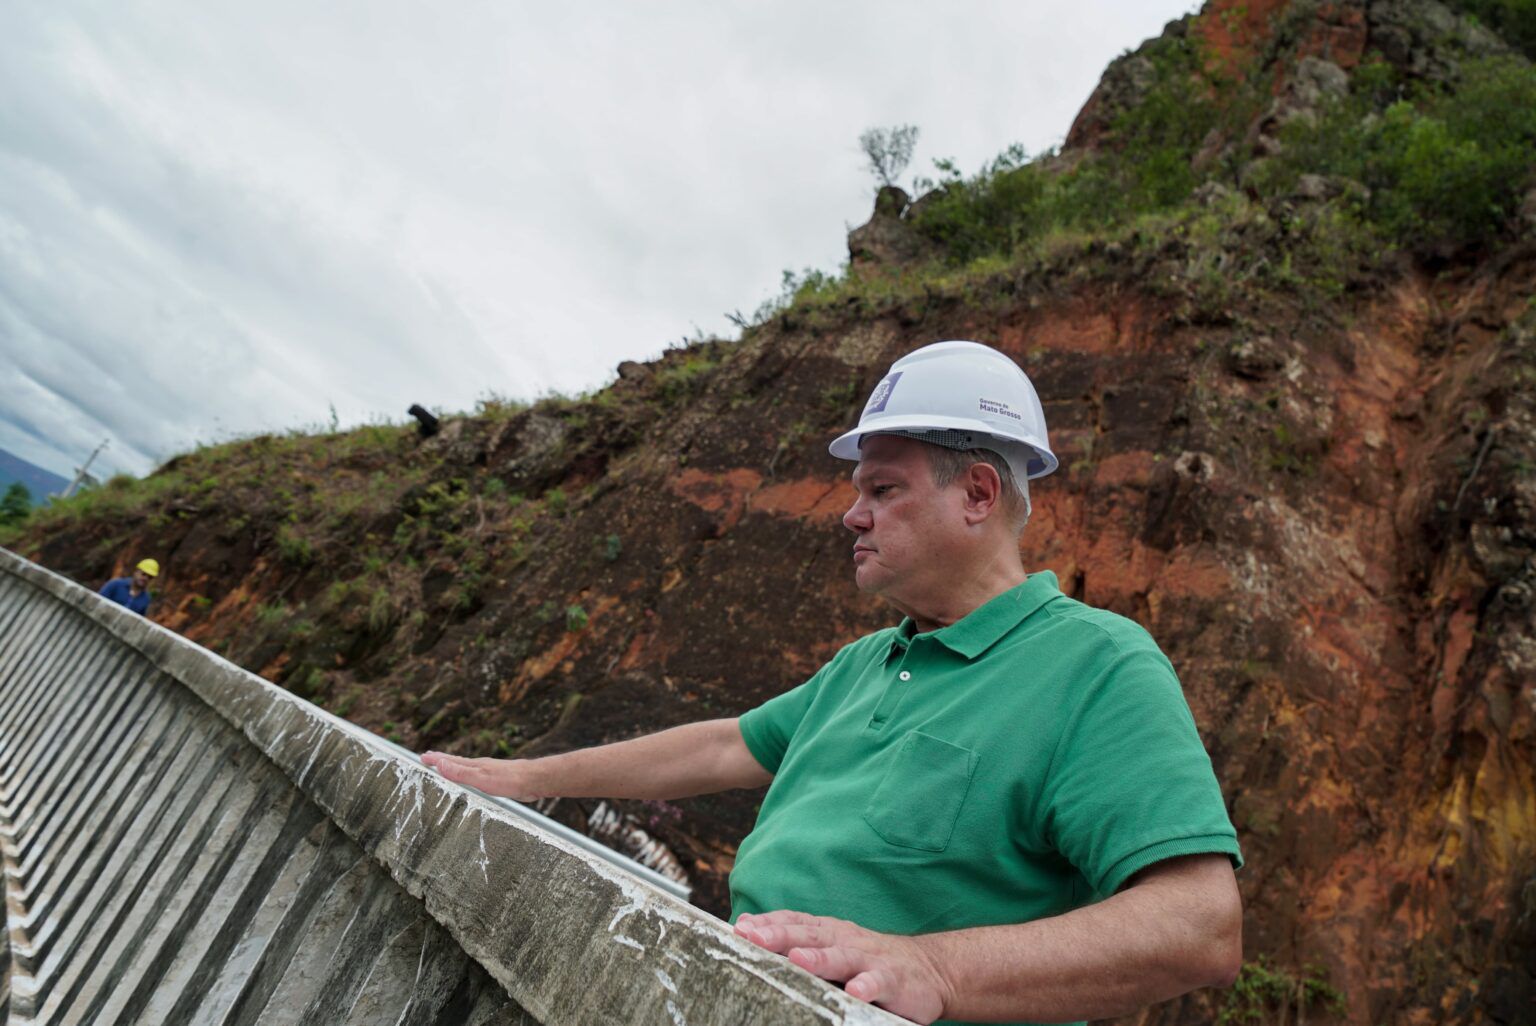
column 628, row 942
column 483, row 860
column 314, row 749
column 629, row 908
column 676, row 1014
column 666, row 981
column 407, row 785
column 637, row 895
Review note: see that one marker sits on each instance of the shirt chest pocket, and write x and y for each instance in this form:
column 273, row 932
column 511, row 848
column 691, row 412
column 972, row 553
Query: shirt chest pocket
column 919, row 797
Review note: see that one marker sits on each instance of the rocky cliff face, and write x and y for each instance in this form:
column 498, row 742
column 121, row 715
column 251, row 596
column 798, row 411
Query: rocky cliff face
column 1317, row 495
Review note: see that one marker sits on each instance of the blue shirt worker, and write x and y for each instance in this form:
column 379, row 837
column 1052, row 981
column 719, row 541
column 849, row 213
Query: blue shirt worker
column 999, row 810
column 133, row 591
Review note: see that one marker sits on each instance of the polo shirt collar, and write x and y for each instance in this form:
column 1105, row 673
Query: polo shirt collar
column 985, row 625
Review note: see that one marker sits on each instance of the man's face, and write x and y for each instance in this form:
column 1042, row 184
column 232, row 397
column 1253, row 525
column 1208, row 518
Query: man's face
column 907, row 529
column 140, row 579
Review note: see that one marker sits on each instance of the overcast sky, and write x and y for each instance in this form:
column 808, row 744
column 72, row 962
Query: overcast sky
column 220, row 218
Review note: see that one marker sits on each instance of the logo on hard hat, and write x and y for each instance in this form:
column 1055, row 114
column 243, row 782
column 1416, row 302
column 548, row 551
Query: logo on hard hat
column 1001, row 409
column 882, row 394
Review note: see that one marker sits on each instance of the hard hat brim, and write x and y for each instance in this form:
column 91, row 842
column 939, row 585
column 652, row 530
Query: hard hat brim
column 846, row 445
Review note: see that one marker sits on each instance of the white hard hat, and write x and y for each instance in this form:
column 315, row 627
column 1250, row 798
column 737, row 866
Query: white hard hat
column 961, row 395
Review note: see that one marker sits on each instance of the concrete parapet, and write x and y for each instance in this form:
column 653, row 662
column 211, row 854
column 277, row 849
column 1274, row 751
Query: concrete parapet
column 185, row 842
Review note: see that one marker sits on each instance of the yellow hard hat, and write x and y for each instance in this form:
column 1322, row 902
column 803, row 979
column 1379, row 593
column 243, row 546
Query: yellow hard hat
column 149, row 566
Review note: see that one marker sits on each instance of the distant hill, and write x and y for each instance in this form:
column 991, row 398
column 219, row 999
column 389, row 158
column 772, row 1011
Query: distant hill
column 39, row 482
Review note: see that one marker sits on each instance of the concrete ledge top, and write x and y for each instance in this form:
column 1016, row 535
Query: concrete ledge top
column 572, row 938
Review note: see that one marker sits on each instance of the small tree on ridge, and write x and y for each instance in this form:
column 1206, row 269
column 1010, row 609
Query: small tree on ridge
column 889, row 150
column 15, row 505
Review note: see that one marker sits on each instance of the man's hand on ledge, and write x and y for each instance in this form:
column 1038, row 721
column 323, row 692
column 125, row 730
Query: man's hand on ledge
column 502, row 777
column 896, row 973
column 695, row 758
column 1177, row 926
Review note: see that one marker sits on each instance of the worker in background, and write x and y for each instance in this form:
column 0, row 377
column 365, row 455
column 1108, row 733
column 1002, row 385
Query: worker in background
column 133, row 591
column 998, row 810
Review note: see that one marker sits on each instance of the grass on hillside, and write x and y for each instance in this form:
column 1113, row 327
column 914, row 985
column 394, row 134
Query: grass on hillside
column 1408, row 167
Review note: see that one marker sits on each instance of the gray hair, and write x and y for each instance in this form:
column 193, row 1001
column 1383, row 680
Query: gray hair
column 947, row 464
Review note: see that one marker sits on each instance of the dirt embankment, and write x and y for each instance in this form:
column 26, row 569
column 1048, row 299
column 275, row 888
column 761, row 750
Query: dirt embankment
column 1324, row 519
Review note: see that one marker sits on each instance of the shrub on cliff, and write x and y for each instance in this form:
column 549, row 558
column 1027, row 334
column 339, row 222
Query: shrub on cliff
column 15, row 505
column 888, row 151
column 1263, row 993
column 1513, row 20
column 1446, row 162
column 1447, row 165
column 1144, row 164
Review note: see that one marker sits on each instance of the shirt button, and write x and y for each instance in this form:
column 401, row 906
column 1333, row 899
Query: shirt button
column 905, row 675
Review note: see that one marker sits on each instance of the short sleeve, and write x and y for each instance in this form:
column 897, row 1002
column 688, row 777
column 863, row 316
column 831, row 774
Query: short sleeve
column 1130, row 782
column 768, row 729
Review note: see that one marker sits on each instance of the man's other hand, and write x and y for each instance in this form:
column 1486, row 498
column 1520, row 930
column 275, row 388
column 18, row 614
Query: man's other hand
column 493, row 776
column 896, row 973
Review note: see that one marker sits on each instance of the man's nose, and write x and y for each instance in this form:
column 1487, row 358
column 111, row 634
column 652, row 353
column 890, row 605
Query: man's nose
column 857, row 519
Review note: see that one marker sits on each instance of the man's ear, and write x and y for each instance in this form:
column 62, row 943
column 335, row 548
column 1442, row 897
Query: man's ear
column 983, row 492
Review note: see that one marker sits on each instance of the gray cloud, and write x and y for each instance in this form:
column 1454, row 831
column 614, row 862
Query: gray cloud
column 219, row 219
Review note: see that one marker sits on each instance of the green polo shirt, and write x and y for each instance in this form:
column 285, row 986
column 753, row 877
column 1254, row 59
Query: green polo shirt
column 1020, row 763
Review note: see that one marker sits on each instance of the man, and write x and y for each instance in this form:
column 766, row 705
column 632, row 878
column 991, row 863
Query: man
column 133, row 591
column 999, row 810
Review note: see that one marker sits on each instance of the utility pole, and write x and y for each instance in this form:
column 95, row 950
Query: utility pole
column 80, row 472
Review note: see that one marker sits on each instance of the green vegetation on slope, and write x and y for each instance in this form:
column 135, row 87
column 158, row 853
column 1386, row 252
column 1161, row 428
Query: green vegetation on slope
column 1437, row 164
column 1395, row 164
column 1263, row 993
column 329, row 560
column 15, row 505
column 1513, row 20
column 1146, row 166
